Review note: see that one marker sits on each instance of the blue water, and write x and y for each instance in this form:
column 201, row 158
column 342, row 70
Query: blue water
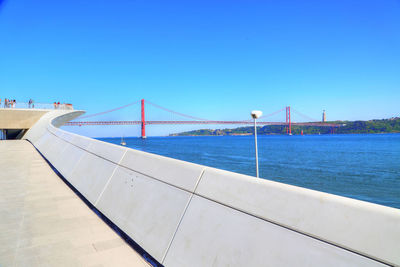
column 365, row 167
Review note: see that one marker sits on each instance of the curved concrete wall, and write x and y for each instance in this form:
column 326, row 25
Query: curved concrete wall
column 185, row 214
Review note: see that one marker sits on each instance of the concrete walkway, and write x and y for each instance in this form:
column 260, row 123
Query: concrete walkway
column 43, row 222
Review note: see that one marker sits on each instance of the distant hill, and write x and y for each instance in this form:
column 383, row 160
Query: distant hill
column 391, row 125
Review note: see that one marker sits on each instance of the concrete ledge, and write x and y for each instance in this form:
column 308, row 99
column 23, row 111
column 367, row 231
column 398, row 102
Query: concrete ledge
column 107, row 151
column 216, row 235
column 178, row 173
column 185, row 214
column 331, row 218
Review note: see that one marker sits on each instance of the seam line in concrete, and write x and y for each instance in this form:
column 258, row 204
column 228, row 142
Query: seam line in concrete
column 109, row 179
column 183, row 215
column 296, row 231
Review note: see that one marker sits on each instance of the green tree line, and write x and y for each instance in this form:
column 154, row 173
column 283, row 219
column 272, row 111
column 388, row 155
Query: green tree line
column 347, row 127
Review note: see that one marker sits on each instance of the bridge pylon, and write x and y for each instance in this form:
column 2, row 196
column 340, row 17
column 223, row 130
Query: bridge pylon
column 288, row 121
column 143, row 121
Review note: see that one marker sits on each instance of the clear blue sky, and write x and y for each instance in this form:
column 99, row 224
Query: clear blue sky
column 211, row 59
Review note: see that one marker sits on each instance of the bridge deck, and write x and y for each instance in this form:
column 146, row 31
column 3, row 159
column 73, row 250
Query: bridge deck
column 44, row 223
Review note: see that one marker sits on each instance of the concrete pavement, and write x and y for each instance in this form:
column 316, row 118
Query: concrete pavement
column 44, row 223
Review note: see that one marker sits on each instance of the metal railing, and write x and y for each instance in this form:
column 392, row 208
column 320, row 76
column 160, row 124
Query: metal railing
column 23, row 105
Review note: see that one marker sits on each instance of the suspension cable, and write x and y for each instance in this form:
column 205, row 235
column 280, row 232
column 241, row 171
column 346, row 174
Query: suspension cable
column 111, row 110
column 174, row 112
column 304, row 116
column 267, row 115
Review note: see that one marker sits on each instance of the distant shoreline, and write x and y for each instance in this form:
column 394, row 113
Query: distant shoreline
column 172, row 135
column 250, row 134
column 383, row 126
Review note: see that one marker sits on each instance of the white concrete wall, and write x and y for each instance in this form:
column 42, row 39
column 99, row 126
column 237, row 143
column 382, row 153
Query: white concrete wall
column 185, row 214
column 11, row 118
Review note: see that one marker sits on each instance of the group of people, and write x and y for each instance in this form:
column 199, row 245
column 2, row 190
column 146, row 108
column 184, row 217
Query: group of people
column 56, row 105
column 11, row 103
column 8, row 103
column 31, row 103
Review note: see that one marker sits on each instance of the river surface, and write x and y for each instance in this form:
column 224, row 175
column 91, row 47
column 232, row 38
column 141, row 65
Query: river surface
column 365, row 167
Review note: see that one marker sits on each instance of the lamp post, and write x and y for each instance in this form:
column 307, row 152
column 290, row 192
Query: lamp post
column 255, row 114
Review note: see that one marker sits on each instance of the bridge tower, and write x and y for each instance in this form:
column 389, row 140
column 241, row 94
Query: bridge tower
column 143, row 121
column 288, row 121
column 287, row 129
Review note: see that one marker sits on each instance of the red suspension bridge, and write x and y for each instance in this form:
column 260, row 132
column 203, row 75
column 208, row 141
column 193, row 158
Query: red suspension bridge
column 195, row 120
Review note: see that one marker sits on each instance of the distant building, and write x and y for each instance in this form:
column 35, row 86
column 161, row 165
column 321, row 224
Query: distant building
column 323, row 116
